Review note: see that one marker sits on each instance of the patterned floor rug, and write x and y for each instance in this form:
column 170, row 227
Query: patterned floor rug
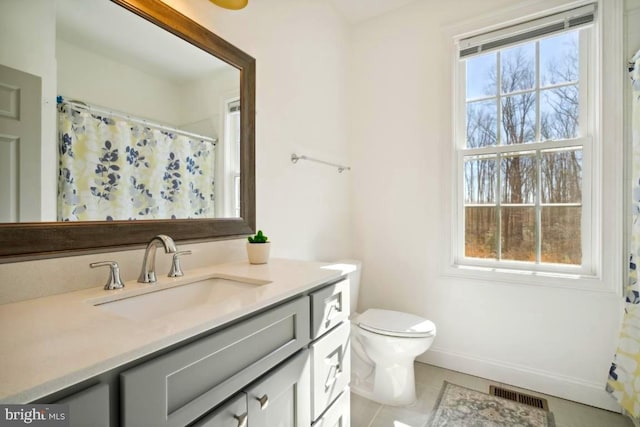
column 459, row 406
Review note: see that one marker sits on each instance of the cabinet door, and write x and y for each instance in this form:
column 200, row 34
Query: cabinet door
column 179, row 387
column 331, row 367
column 281, row 398
column 231, row 414
column 89, row 407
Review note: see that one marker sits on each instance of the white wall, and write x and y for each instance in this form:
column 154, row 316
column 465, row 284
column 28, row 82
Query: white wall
column 553, row 340
column 203, row 98
column 96, row 79
column 179, row 103
column 123, row 87
column 34, row 52
column 301, row 50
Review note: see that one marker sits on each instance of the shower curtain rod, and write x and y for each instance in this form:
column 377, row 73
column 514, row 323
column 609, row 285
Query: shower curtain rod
column 112, row 113
column 341, row 168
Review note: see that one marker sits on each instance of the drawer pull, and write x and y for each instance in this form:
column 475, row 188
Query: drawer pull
column 334, row 311
column 242, row 419
column 264, row 401
column 334, row 373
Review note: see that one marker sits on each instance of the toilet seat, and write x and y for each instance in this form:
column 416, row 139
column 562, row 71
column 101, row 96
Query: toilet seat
column 395, row 324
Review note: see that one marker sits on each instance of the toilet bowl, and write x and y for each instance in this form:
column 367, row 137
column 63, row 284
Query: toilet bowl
column 384, row 345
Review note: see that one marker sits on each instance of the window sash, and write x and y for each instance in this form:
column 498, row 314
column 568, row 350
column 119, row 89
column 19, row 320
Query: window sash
column 230, row 158
column 536, row 90
column 584, row 140
column 538, row 205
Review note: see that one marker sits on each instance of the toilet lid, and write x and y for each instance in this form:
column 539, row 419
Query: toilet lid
column 396, row 324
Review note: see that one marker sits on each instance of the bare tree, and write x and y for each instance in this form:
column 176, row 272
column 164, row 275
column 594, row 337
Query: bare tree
column 560, row 171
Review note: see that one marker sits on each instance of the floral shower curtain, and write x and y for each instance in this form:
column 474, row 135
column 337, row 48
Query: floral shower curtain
column 624, row 375
column 112, row 168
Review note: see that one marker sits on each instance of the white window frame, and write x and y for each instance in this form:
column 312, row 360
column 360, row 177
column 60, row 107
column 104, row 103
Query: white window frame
column 603, row 262
column 230, row 180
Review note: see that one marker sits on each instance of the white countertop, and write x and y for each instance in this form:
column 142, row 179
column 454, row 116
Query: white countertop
column 50, row 343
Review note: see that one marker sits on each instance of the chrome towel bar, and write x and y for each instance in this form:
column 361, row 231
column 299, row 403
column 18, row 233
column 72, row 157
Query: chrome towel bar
column 341, row 168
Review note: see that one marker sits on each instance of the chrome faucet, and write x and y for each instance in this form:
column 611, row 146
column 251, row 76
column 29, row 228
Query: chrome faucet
column 148, row 273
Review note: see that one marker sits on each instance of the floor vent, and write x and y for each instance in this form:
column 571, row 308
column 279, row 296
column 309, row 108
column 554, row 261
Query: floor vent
column 525, row 399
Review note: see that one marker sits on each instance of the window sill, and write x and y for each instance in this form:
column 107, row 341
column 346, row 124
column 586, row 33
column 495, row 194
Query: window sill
column 578, row 282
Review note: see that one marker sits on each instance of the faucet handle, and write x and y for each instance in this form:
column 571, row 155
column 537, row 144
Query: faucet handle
column 113, row 281
column 176, row 271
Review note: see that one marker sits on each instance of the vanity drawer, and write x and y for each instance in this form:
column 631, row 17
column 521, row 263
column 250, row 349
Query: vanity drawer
column 329, row 307
column 338, row 414
column 331, row 367
column 178, row 387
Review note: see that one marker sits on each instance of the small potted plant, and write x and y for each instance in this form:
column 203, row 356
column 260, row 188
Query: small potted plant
column 258, row 248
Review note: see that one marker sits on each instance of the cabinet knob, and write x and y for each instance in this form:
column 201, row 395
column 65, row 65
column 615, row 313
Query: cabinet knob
column 264, row 401
column 242, row 419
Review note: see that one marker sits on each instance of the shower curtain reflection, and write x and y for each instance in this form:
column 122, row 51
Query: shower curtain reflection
column 116, row 168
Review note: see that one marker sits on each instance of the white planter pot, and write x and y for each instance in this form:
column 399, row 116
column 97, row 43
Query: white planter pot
column 258, row 253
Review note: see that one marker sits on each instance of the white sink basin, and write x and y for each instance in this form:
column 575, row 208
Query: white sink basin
column 163, row 301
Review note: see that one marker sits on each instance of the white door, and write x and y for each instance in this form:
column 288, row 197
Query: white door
column 20, row 132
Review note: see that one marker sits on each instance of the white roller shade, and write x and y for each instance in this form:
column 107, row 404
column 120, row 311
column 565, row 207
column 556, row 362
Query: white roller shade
column 556, row 23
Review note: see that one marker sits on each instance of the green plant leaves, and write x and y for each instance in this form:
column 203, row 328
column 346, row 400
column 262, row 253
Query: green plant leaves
column 258, row 238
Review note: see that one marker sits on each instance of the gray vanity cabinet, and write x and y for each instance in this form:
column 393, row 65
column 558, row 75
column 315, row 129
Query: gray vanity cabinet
column 89, row 407
column 181, row 386
column 287, row 366
column 330, row 355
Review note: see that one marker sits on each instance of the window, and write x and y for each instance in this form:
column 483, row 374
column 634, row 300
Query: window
column 232, row 141
column 525, row 145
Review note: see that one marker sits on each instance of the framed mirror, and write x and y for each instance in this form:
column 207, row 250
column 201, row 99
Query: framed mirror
column 74, row 233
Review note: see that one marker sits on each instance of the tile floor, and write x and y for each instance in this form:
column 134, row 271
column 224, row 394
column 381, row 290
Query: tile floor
column 365, row 413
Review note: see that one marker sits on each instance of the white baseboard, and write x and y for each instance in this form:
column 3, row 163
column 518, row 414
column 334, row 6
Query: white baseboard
column 575, row 389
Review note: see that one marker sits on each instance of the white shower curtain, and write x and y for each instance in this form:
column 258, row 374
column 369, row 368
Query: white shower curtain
column 624, row 375
column 112, row 168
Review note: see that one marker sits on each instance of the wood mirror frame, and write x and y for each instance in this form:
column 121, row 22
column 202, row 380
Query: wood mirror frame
column 25, row 241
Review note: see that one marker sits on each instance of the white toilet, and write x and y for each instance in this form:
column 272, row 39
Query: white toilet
column 384, row 345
